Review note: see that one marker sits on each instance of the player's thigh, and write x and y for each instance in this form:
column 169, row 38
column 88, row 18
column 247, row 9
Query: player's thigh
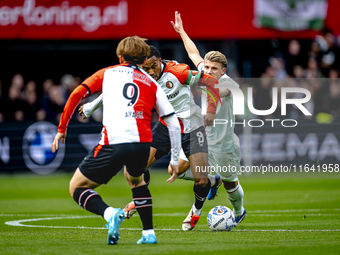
column 160, row 142
column 137, row 158
column 81, row 181
column 103, row 162
column 152, row 159
column 226, row 165
column 184, row 163
column 195, row 142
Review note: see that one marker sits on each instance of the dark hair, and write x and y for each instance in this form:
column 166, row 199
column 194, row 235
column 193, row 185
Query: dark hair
column 154, row 52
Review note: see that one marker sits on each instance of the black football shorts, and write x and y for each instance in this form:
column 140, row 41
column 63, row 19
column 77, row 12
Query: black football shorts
column 105, row 161
column 192, row 143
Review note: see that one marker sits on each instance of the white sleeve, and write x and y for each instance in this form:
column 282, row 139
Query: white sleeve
column 175, row 137
column 200, row 66
column 167, row 113
column 90, row 107
column 163, row 105
column 182, row 156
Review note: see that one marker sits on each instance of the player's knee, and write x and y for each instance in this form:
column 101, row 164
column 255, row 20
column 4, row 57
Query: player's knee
column 201, row 182
column 170, row 170
column 230, row 185
column 135, row 181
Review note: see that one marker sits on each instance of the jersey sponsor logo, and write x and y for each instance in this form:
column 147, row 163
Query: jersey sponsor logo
column 142, row 78
column 37, row 149
column 171, row 96
column 169, row 84
column 136, row 115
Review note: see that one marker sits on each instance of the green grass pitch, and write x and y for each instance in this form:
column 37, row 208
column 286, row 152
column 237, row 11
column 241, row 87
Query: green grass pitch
column 284, row 216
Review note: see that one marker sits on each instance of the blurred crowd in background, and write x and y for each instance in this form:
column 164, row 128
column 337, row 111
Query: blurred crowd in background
column 316, row 70
column 24, row 100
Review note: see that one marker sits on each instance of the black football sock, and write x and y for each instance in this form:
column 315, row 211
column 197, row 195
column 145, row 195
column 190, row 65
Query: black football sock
column 90, row 200
column 201, row 194
column 143, row 203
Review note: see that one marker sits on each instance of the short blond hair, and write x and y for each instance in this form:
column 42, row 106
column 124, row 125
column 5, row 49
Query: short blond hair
column 216, row 56
column 134, row 49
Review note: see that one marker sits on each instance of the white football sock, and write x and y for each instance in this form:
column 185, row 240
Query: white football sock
column 195, row 210
column 212, row 179
column 236, row 199
column 148, row 232
column 187, row 175
column 108, row 213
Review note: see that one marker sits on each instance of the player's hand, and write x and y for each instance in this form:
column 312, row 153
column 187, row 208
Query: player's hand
column 209, row 119
column 178, row 25
column 81, row 112
column 175, row 172
column 55, row 144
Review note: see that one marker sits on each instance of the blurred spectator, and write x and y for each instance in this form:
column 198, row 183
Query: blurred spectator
column 263, row 92
column 14, row 105
column 334, row 92
column 34, row 110
column 313, row 70
column 54, row 103
column 329, row 57
column 298, row 72
column 294, row 57
column 18, row 81
column 68, row 84
column 278, row 65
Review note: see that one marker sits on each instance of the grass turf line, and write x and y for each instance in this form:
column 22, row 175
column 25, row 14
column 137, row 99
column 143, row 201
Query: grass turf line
column 288, row 204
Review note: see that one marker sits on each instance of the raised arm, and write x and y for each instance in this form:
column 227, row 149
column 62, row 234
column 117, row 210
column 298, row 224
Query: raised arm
column 189, row 45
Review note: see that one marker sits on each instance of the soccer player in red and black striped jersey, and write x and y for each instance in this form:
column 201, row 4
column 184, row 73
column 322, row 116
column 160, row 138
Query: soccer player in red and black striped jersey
column 129, row 95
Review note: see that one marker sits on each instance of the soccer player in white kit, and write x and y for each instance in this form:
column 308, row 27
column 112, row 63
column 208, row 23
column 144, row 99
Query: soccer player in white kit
column 224, row 145
column 129, row 95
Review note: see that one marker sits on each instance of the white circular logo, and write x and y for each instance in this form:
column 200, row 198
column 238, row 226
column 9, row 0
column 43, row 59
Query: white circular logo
column 37, row 148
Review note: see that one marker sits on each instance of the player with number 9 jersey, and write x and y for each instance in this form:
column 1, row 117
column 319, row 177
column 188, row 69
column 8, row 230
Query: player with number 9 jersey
column 129, row 95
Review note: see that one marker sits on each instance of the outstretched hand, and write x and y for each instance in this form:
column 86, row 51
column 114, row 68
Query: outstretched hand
column 178, row 25
column 55, row 144
column 175, row 172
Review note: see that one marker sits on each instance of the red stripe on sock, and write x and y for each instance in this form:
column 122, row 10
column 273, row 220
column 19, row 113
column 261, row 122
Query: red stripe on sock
column 233, row 191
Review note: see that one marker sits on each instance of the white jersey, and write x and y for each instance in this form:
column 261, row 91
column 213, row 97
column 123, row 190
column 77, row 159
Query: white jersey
column 172, row 81
column 221, row 137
